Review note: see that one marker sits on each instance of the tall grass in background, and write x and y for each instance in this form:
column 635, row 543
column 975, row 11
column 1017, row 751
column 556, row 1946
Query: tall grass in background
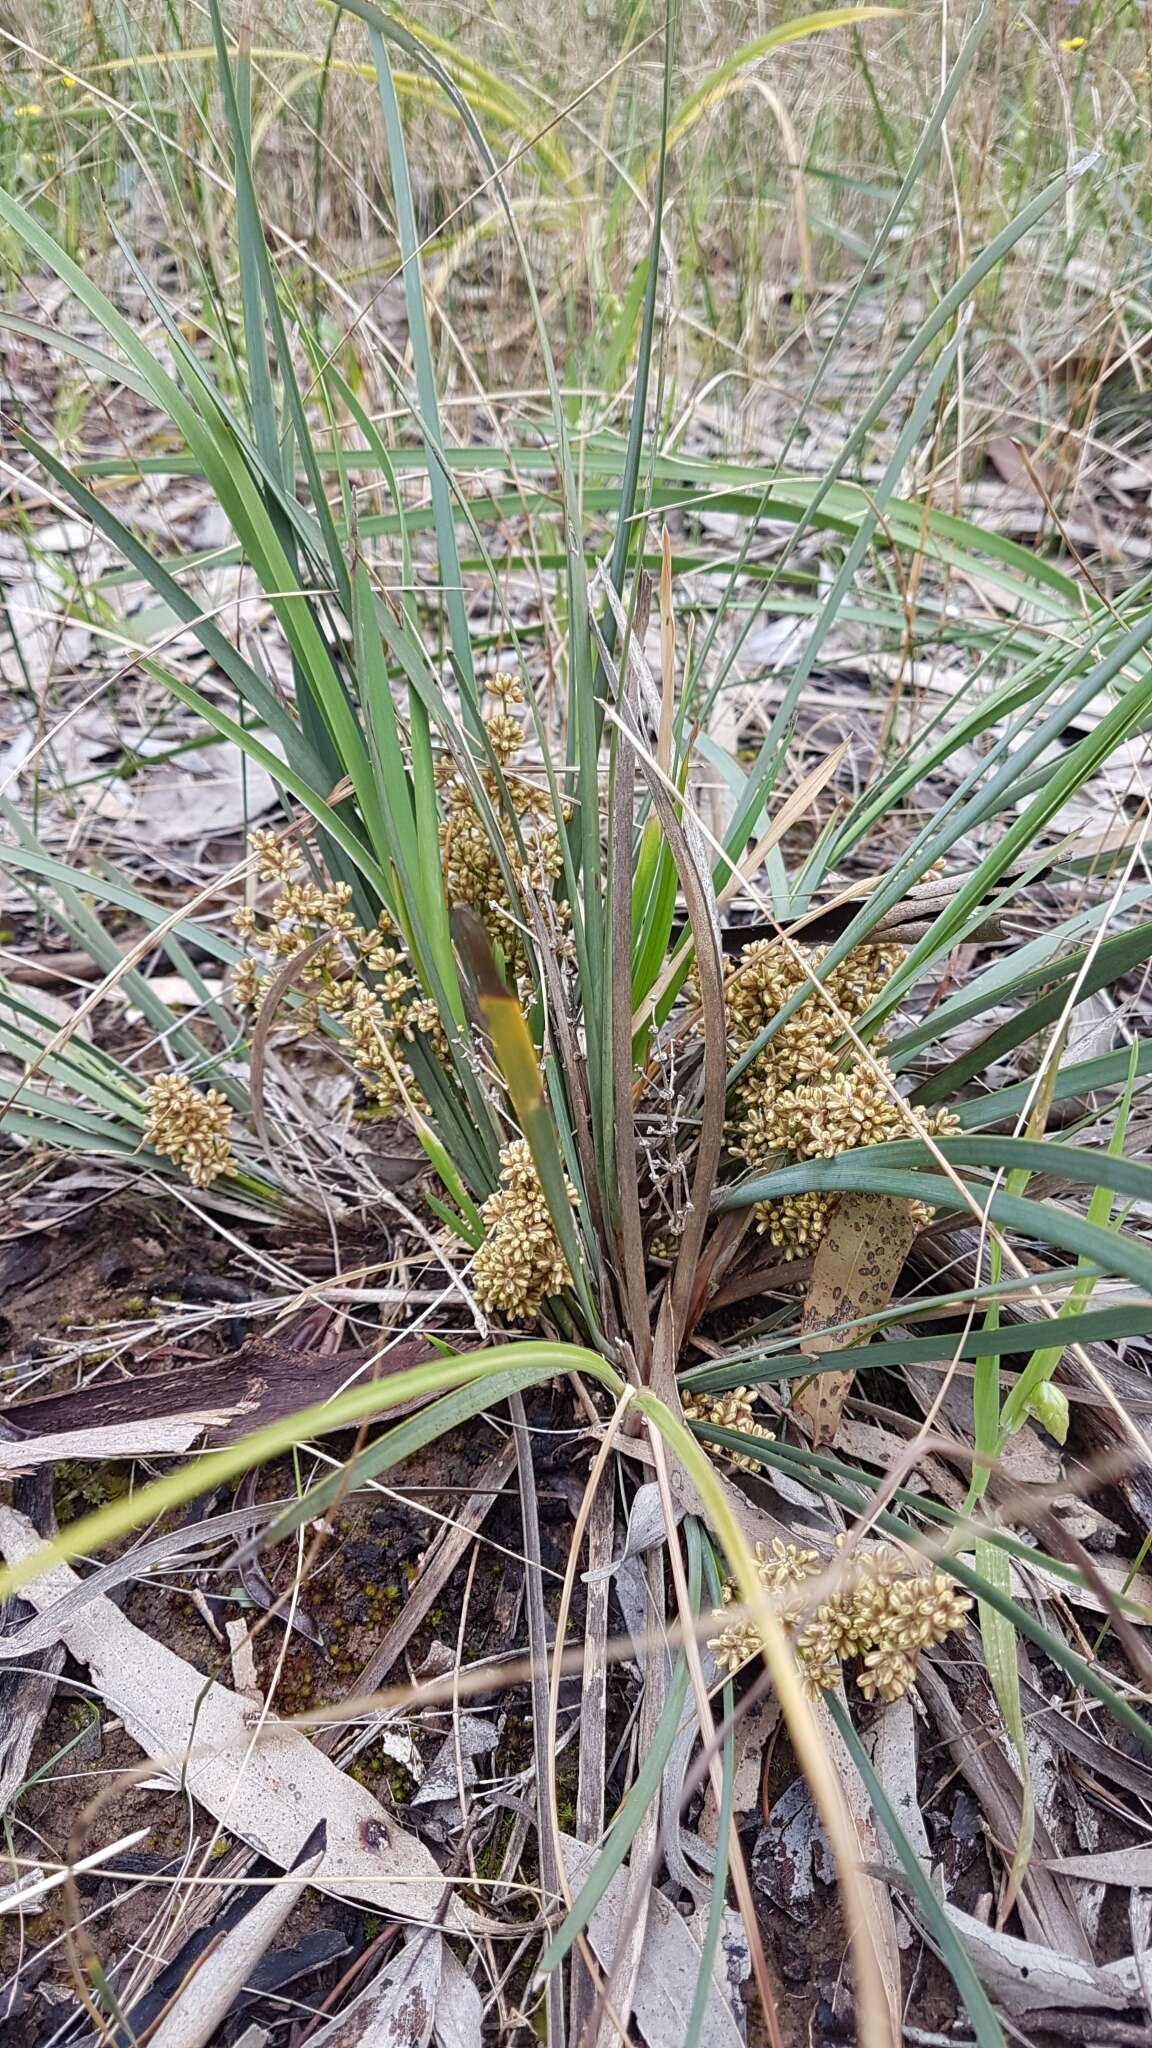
column 387, row 535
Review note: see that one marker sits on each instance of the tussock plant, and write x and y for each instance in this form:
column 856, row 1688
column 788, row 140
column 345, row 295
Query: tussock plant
column 685, row 967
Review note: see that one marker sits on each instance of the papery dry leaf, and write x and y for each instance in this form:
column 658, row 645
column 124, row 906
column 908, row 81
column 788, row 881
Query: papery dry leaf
column 268, row 1784
column 1024, row 1977
column 1013, row 467
column 1130, row 1868
column 669, row 1964
column 856, row 1267
column 398, row 2009
column 27, row 1687
column 217, row 1979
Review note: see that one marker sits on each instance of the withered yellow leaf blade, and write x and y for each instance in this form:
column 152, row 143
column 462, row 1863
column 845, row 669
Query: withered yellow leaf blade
column 793, row 808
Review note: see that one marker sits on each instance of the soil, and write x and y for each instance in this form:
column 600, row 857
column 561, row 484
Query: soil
column 64, row 1286
column 118, row 1269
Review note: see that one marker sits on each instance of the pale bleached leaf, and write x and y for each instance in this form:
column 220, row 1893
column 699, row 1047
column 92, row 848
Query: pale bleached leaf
column 268, row 1783
column 1131, row 1868
column 398, row 2008
column 459, row 2008
column 1024, row 1977
column 221, row 1974
column 669, row 1963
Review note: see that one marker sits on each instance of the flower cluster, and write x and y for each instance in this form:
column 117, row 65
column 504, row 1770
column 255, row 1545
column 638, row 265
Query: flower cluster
column 493, row 845
column 190, row 1129
column 798, row 1099
column 520, row 1261
column 475, row 872
column 882, row 1615
column 352, row 974
column 730, row 1410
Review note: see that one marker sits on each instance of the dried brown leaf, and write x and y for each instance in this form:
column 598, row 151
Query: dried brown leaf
column 223, row 1397
column 856, row 1267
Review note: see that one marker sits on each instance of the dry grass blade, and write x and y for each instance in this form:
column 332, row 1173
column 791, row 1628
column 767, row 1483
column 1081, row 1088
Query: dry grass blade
column 631, row 1238
column 667, row 658
column 281, row 982
column 874, row 1894
column 794, row 807
column 538, row 1644
column 744, row 1895
column 709, row 1146
column 627, row 1945
column 601, row 1525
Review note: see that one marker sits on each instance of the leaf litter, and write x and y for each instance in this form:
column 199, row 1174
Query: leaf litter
column 266, row 1784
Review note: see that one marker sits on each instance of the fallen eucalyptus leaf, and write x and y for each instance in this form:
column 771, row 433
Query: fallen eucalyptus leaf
column 164, row 1412
column 207, row 1997
column 669, row 1963
column 454, row 1761
column 1128, row 1867
column 398, row 2009
column 1027, row 1978
column 646, row 1528
column 269, row 1784
column 459, row 2008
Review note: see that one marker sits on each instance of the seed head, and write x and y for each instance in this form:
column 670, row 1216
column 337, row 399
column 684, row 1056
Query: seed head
column 276, row 858
column 246, row 982
column 883, row 1614
column 520, row 1261
column 798, row 1098
column 730, row 1410
column 190, row 1129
